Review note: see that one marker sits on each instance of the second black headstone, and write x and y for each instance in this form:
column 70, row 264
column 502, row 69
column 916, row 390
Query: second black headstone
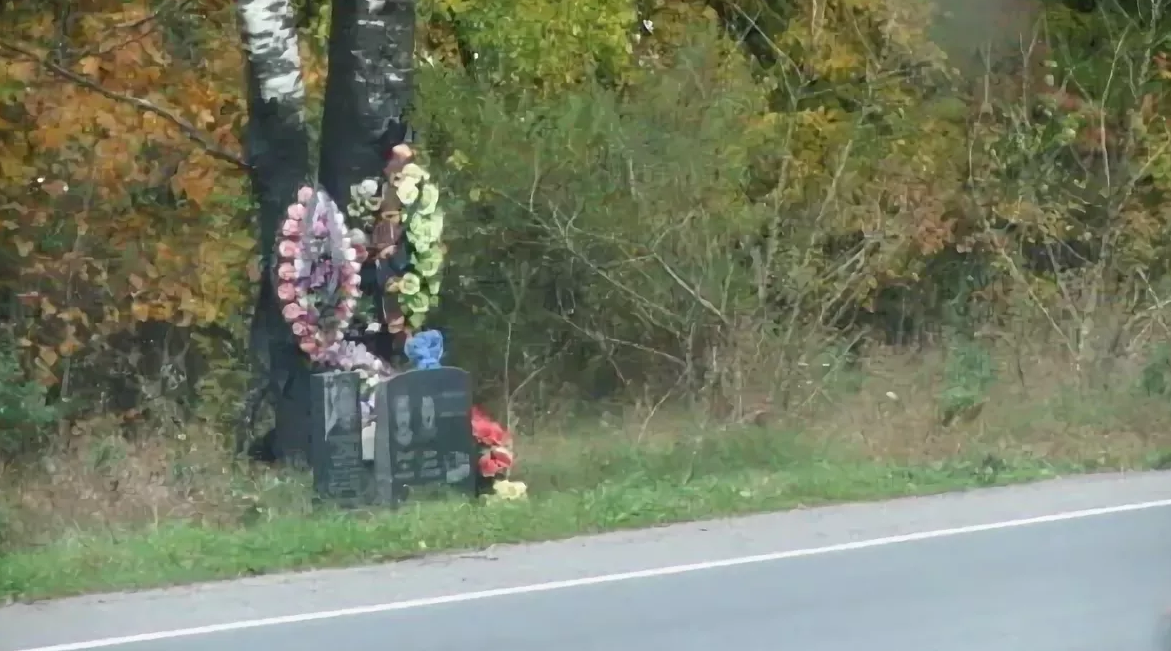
column 424, row 433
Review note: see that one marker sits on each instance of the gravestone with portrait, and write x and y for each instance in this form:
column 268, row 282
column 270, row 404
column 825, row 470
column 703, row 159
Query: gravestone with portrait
column 424, row 433
column 340, row 475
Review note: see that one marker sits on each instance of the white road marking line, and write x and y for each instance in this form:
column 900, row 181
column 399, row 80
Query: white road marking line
column 596, row 580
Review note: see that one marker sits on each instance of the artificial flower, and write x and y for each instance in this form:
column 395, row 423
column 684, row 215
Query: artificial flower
column 428, row 199
column 415, row 173
column 368, row 187
column 296, row 212
column 304, row 194
column 509, row 490
column 292, row 312
column 416, row 302
column 494, row 462
column 429, row 263
column 286, row 271
column 286, row 292
column 410, row 284
column 407, row 192
column 487, row 431
column 289, row 249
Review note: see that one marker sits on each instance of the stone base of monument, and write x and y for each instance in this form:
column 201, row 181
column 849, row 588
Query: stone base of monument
column 422, row 443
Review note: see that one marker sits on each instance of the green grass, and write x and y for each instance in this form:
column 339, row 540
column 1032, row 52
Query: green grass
column 656, row 489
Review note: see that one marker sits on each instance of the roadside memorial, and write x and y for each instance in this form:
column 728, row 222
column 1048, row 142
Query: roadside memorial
column 355, row 289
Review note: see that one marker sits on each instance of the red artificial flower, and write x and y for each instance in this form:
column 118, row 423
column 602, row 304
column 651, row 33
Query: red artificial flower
column 488, row 432
column 495, row 461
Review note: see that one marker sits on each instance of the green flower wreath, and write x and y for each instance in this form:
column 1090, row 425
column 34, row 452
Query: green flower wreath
column 423, row 222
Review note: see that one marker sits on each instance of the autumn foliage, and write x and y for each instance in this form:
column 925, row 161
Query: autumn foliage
column 121, row 194
column 641, row 183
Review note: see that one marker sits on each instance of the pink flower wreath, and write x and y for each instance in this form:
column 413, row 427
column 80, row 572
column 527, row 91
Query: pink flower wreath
column 317, row 284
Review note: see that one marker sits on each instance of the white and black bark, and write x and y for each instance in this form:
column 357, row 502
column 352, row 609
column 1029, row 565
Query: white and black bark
column 277, row 148
column 371, row 47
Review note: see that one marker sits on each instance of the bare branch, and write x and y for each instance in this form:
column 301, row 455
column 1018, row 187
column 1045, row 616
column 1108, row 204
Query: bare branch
column 687, row 287
column 150, row 19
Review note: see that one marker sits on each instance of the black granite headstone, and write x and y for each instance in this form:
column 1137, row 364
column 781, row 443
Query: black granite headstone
column 424, row 435
column 339, row 474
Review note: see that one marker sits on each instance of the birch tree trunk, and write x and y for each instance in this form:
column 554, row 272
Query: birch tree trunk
column 277, row 148
column 371, row 45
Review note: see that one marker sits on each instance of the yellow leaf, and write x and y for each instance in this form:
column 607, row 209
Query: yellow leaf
column 44, row 376
column 23, row 71
column 163, row 311
column 141, row 311
column 48, row 355
column 48, row 308
column 136, row 282
column 91, row 66
column 23, row 247
column 69, row 346
column 458, row 160
column 253, row 270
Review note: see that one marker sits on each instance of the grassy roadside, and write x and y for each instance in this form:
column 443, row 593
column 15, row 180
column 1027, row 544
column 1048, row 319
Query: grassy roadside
column 184, row 553
column 116, row 512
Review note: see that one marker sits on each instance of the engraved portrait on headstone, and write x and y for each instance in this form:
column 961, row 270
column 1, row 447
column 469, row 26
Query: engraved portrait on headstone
column 335, row 445
column 402, row 420
column 432, row 406
column 427, row 415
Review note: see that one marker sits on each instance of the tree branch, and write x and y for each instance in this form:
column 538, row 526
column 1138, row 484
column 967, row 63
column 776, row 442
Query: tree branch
column 150, row 21
column 188, row 129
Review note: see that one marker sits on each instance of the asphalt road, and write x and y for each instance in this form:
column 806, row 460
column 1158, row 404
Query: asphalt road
column 1061, row 566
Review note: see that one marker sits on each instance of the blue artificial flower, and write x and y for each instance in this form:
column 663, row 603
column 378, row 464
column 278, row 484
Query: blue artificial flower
column 425, row 349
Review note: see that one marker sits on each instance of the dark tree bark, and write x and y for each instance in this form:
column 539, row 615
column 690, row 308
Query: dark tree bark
column 371, row 46
column 371, row 49
column 277, row 148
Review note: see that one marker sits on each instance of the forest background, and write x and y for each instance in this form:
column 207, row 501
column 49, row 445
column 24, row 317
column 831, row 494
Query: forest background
column 706, row 257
